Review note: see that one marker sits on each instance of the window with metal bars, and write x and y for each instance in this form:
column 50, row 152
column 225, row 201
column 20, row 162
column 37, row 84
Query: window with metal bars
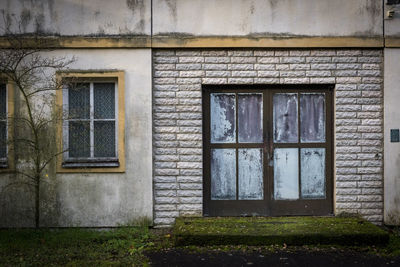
column 90, row 128
column 3, row 125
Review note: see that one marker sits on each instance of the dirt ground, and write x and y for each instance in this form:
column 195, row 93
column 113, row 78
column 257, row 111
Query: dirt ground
column 182, row 257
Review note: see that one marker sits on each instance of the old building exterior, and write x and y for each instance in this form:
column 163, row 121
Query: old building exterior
column 219, row 108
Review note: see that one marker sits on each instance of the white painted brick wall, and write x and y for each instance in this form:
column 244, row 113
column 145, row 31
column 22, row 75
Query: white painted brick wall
column 179, row 74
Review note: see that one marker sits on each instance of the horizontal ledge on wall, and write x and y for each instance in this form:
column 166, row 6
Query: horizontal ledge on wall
column 392, row 42
column 273, row 42
column 77, row 42
column 194, row 42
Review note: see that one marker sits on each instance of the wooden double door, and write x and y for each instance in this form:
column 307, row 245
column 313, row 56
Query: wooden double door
column 267, row 150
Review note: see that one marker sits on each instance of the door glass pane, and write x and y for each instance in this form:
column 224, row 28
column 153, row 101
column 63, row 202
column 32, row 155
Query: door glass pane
column 79, row 101
column 79, row 139
column 104, row 139
column 250, row 118
column 250, row 174
column 285, row 118
column 312, row 117
column 104, row 100
column 3, row 102
column 3, row 139
column 223, row 174
column 286, row 173
column 223, row 123
column 312, row 172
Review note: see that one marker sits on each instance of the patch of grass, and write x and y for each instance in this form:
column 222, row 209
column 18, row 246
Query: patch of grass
column 393, row 247
column 128, row 245
column 278, row 230
column 74, row 247
column 160, row 239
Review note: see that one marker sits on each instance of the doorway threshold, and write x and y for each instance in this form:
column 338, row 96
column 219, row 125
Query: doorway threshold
column 259, row 231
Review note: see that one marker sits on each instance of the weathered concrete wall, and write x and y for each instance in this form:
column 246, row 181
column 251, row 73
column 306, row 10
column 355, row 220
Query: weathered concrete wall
column 179, row 75
column 98, row 199
column 16, row 203
column 196, row 17
column 392, row 150
column 268, row 18
column 392, row 25
column 77, row 17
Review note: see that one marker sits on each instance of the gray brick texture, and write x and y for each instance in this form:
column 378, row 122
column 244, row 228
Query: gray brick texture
column 178, row 76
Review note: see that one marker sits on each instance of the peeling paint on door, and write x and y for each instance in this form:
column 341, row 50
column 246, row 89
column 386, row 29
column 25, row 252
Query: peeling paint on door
column 286, row 173
column 223, row 174
column 250, row 174
column 223, row 113
column 285, row 118
column 250, row 118
column 312, row 117
column 312, row 172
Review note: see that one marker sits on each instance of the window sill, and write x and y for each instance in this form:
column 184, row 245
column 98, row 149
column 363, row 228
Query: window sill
column 96, row 163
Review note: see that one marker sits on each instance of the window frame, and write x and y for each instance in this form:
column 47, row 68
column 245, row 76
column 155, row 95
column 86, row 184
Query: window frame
column 4, row 160
column 92, row 164
column 7, row 163
column 91, row 161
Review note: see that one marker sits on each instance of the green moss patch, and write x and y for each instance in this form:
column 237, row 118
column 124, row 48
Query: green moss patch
column 259, row 231
column 74, row 247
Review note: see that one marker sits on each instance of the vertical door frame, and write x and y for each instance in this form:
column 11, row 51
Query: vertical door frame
column 270, row 207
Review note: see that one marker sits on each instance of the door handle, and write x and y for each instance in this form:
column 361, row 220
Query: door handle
column 271, row 154
column 265, row 147
column 271, row 150
column 266, row 143
column 268, row 148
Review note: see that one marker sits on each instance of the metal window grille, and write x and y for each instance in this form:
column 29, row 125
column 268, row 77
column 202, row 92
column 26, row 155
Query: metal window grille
column 90, row 128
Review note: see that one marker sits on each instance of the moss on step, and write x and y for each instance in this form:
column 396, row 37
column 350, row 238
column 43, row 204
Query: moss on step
column 277, row 230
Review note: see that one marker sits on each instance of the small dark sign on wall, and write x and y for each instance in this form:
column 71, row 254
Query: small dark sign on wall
column 394, row 135
column 393, row 2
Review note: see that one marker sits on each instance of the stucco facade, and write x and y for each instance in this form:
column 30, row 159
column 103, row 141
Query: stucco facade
column 169, row 51
column 97, row 199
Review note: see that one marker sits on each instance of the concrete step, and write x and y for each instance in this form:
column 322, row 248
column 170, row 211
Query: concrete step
column 259, row 231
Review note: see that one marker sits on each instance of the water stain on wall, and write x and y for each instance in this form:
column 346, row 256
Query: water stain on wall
column 138, row 6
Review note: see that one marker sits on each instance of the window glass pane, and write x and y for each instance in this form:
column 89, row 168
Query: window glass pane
column 312, row 172
column 286, row 173
column 223, row 174
column 312, row 117
column 79, row 139
column 3, row 102
column 250, row 118
column 79, row 101
column 250, row 174
column 285, row 118
column 223, row 113
column 104, row 139
column 104, row 100
column 3, row 139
